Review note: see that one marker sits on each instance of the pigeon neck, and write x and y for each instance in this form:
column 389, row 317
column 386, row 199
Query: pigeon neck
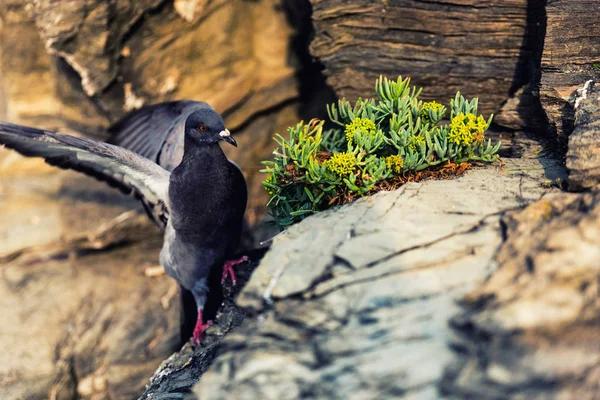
column 195, row 153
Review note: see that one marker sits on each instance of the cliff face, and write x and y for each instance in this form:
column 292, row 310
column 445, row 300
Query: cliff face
column 480, row 287
column 78, row 66
column 571, row 54
column 486, row 49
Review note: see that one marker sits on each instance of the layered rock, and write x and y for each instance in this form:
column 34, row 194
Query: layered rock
column 79, row 316
column 571, row 47
column 364, row 313
column 86, row 309
column 485, row 49
column 365, row 301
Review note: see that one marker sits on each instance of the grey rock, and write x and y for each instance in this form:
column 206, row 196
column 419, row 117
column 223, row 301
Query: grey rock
column 583, row 156
column 532, row 330
column 354, row 303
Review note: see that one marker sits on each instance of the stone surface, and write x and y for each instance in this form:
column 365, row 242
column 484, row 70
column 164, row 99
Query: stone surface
column 79, row 316
column 72, row 318
column 355, row 302
column 532, row 331
column 571, row 47
column 180, row 372
column 583, row 156
column 488, row 49
column 42, row 204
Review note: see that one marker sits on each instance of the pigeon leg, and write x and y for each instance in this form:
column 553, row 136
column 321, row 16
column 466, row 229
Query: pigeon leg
column 200, row 328
column 228, row 269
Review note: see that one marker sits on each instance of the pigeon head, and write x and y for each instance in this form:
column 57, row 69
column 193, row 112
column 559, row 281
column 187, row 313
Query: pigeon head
column 207, row 126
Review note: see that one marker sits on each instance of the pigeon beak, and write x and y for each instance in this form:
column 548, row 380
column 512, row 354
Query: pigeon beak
column 226, row 136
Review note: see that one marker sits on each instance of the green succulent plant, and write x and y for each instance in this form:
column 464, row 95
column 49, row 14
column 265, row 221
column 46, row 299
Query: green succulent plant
column 378, row 140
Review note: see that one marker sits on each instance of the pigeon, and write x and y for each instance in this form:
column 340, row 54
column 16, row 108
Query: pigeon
column 157, row 133
column 201, row 202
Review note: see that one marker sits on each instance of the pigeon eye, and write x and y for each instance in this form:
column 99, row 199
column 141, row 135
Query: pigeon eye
column 203, row 128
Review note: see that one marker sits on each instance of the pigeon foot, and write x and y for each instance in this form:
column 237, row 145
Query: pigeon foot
column 199, row 329
column 228, row 269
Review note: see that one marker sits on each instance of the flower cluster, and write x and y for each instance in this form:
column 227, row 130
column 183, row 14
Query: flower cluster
column 435, row 108
column 364, row 125
column 394, row 163
column 342, row 163
column 417, row 141
column 466, row 129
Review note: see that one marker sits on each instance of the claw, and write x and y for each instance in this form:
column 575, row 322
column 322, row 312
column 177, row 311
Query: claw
column 199, row 329
column 228, row 269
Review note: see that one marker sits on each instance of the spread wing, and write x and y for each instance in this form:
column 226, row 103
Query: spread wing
column 156, row 132
column 118, row 167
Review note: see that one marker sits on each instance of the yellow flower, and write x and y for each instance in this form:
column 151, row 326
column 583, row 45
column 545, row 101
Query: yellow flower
column 466, row 129
column 481, row 125
column 360, row 124
column 342, row 163
column 416, row 142
column 395, row 163
column 430, row 105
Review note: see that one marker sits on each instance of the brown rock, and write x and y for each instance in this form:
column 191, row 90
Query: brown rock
column 190, row 9
column 88, row 35
column 482, row 49
column 79, row 315
column 84, row 64
column 85, row 317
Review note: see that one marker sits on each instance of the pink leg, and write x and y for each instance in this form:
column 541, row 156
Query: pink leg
column 228, row 269
column 199, row 329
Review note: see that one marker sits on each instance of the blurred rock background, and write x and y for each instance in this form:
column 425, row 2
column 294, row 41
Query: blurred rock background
column 83, row 314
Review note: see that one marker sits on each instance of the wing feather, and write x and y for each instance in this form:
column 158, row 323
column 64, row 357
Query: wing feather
column 119, row 167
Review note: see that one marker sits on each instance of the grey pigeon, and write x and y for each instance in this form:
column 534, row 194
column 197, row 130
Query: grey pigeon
column 157, row 132
column 202, row 201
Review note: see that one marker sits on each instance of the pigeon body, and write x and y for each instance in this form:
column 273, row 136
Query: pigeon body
column 201, row 203
column 157, row 132
column 200, row 232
